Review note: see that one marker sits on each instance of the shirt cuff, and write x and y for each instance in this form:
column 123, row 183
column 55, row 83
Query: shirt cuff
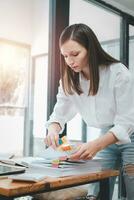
column 62, row 124
column 121, row 134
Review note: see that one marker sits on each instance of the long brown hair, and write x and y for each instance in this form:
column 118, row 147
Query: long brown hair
column 82, row 34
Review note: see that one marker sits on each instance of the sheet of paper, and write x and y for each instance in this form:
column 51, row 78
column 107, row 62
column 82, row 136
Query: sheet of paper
column 28, row 176
column 87, row 167
column 39, row 171
column 51, row 153
column 42, row 165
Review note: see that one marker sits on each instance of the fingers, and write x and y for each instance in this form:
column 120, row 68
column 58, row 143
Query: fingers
column 76, row 156
column 82, row 154
column 86, row 156
column 52, row 140
column 56, row 138
column 47, row 141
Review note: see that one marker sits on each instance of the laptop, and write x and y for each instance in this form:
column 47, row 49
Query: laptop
column 6, row 170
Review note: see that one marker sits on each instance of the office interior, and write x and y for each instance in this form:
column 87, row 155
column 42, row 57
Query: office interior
column 29, row 63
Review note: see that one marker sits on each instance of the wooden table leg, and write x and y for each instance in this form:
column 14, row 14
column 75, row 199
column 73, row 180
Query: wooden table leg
column 104, row 189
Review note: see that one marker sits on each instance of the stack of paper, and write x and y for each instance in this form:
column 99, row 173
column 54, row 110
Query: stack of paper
column 31, row 175
column 37, row 172
column 73, row 169
column 40, row 167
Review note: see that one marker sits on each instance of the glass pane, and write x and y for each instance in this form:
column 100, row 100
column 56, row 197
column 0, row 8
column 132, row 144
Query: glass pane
column 107, row 32
column 40, row 39
column 106, row 26
column 131, row 49
column 40, row 102
column 14, row 63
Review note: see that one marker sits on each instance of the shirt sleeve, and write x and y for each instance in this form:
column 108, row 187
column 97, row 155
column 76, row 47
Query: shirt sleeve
column 124, row 100
column 64, row 109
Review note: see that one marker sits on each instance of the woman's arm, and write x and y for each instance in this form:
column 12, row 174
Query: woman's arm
column 124, row 104
column 64, row 110
column 88, row 150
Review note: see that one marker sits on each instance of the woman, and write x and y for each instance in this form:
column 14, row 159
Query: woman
column 99, row 88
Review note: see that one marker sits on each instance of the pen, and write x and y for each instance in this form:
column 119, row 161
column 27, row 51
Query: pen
column 21, row 165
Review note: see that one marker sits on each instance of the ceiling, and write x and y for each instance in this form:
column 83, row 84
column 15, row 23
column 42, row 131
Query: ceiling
column 124, row 5
column 127, row 3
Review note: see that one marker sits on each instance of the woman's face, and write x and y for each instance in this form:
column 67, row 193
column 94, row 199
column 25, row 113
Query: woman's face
column 75, row 56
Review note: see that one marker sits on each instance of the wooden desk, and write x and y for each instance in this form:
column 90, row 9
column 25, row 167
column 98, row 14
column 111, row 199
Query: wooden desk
column 10, row 189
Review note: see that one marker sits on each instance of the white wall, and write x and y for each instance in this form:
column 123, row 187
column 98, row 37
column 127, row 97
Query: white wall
column 40, row 26
column 25, row 21
column 16, row 20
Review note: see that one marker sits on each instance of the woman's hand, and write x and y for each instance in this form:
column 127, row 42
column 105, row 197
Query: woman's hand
column 52, row 138
column 86, row 151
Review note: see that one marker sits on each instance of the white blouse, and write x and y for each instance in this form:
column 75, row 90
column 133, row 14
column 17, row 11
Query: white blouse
column 112, row 105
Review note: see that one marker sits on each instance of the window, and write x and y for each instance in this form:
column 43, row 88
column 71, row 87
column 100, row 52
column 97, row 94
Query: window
column 131, row 49
column 40, row 78
column 14, row 67
column 108, row 34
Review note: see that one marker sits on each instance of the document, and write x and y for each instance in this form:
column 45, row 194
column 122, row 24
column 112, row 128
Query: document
column 29, row 176
column 6, row 169
column 54, row 163
column 76, row 169
column 51, row 153
column 45, row 158
column 38, row 172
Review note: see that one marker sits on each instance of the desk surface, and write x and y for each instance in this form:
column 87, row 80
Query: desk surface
column 11, row 188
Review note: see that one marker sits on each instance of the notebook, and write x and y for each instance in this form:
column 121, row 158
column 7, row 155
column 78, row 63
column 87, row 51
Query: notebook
column 29, row 176
column 6, row 170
